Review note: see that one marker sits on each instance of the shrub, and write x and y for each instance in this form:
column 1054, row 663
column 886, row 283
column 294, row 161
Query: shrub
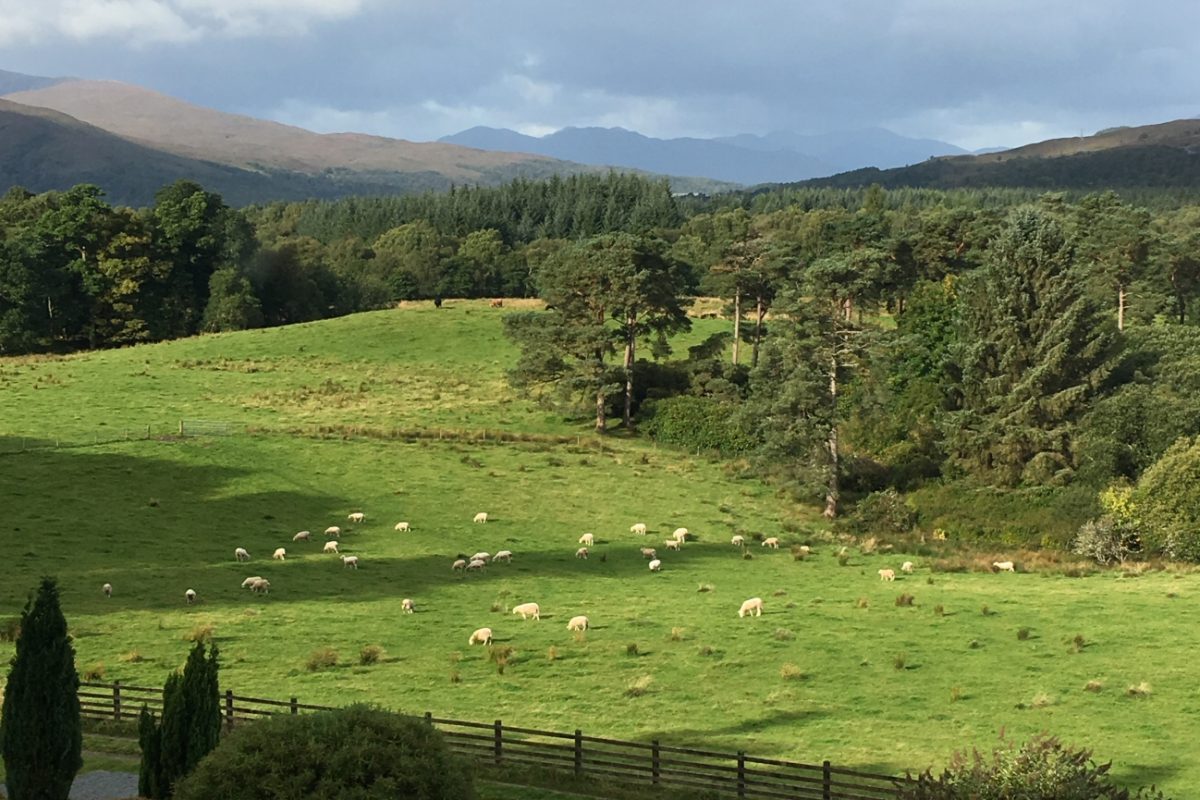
column 696, row 423
column 883, row 511
column 322, row 658
column 1106, row 540
column 358, row 752
column 1166, row 501
column 370, row 654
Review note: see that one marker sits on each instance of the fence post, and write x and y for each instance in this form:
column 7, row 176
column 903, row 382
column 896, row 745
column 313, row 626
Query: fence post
column 578, row 752
column 429, row 718
column 116, row 700
column 497, row 741
column 826, row 782
column 655, row 762
column 181, row 427
column 295, row 705
column 741, row 773
column 229, row 707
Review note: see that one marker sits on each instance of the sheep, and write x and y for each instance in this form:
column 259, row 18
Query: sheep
column 503, row 555
column 330, row 547
column 481, row 636
column 753, row 605
column 476, row 564
column 481, row 517
column 887, row 574
column 407, row 605
column 403, row 527
column 1004, row 566
column 579, row 623
column 357, row 517
column 805, row 549
column 639, row 528
column 350, row 561
column 587, row 539
column 246, row 584
column 334, row 531
column 648, row 552
column 680, row 534
column 261, row 586
column 459, row 564
column 107, row 589
column 671, row 544
column 279, row 554
column 582, row 553
column 190, row 596
column 907, row 567
column 656, row 565
column 482, row 556
column 738, row 541
column 770, row 541
column 302, row 536
column 527, row 610
column 241, row 555
column 496, row 303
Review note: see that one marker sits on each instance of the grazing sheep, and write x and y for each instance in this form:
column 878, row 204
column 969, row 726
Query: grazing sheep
column 805, row 549
column 738, row 540
column 527, row 610
column 1004, row 566
column 656, row 565
column 907, row 567
column 279, row 554
column 887, row 574
column 190, row 596
column 330, row 547
column 357, row 517
column 407, row 605
column 403, row 527
column 579, row 623
column 334, row 531
column 497, row 303
column 503, row 555
column 639, row 528
column 241, row 555
column 476, row 564
column 459, row 564
column 481, row 636
column 587, row 540
column 671, row 544
column 246, row 584
column 482, row 556
column 107, row 589
column 261, row 586
column 581, row 553
column 302, row 536
column 753, row 605
column 481, row 517
column 648, row 552
column 350, row 561
column 770, row 541
column 680, row 534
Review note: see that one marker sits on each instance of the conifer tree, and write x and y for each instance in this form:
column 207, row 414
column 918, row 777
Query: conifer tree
column 189, row 728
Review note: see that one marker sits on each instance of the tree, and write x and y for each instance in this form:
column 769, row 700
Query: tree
column 40, row 734
column 1166, row 502
column 232, row 304
column 1113, row 244
column 1033, row 351
column 189, row 728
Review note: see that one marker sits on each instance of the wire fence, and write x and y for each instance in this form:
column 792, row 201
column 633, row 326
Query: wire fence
column 181, row 429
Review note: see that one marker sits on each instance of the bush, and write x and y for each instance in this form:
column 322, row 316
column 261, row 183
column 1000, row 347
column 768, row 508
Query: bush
column 696, row 423
column 1166, row 502
column 322, row 658
column 1106, row 540
column 882, row 512
column 358, row 752
column 370, row 654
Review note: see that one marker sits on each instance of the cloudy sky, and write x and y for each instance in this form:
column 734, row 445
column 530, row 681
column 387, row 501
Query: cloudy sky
column 972, row 72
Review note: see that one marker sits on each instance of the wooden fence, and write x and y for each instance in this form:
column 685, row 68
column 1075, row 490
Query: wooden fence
column 630, row 764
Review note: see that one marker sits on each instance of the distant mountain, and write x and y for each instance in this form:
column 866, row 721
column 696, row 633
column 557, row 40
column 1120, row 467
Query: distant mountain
column 853, row 149
column 618, row 147
column 16, row 82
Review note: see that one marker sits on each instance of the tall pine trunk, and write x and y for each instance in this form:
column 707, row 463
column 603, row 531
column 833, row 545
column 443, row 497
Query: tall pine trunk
column 832, row 488
column 737, row 322
column 759, row 312
column 630, row 346
column 1121, row 298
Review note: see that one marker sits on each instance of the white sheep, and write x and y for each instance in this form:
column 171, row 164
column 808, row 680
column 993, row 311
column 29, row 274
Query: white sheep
column 527, row 610
column 738, row 540
column 656, row 566
column 648, row 552
column 671, row 544
column 753, row 605
column 280, row 554
column 334, row 531
column 770, row 541
column 503, row 555
column 407, row 605
column 302, row 536
column 639, row 528
column 330, row 547
column 887, row 574
column 581, row 553
column 246, row 584
column 481, row 517
column 587, row 539
column 907, row 567
column 262, row 586
column 482, row 556
column 1004, row 566
column 241, row 555
column 459, row 564
column 475, row 565
column 680, row 534
column 190, row 596
column 107, row 589
column 805, row 549
column 357, row 517
column 403, row 527
column 481, row 636
column 579, row 623
column 350, row 561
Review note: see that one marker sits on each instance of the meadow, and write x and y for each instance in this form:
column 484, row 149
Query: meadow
column 835, row 668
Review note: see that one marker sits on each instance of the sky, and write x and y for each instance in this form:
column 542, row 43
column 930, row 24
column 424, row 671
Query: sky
column 976, row 73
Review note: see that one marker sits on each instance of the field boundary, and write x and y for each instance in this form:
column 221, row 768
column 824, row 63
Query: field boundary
column 635, row 765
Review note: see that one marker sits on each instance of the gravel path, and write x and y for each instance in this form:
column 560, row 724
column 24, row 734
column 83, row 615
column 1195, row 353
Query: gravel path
column 102, row 785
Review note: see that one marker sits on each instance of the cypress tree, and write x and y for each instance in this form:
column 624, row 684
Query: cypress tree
column 40, row 733
column 150, row 774
column 189, row 729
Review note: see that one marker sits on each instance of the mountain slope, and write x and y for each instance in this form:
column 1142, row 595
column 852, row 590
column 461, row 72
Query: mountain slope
column 853, row 149
column 16, row 82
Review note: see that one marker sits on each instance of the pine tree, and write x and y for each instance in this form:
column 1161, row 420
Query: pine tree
column 40, row 734
column 189, row 729
column 150, row 774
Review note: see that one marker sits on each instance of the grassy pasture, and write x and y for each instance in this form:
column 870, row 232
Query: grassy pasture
column 833, row 669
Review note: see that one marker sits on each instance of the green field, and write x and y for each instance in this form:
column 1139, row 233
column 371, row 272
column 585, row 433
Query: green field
column 881, row 687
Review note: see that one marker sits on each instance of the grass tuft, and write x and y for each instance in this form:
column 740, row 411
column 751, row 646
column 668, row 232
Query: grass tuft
column 370, row 654
column 322, row 658
column 791, row 672
column 639, row 686
column 203, row 632
column 904, row 599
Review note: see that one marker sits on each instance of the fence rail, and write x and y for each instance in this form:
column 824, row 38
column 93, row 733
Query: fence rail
column 627, row 763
